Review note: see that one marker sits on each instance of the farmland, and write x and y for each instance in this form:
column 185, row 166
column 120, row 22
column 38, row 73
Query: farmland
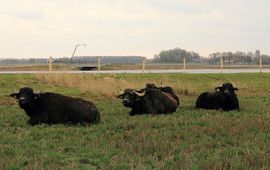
column 188, row 139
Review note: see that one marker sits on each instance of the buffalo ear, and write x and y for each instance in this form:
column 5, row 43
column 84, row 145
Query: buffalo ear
column 14, row 95
column 218, row 88
column 235, row 89
column 120, row 96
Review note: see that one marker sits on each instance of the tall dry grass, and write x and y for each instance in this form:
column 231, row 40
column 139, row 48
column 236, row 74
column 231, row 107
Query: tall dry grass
column 95, row 85
column 109, row 86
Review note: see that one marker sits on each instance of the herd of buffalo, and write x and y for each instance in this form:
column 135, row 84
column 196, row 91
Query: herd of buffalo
column 53, row 108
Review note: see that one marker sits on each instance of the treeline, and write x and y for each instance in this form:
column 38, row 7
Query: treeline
column 237, row 58
column 107, row 59
column 103, row 59
column 9, row 61
column 176, row 55
column 265, row 59
column 77, row 60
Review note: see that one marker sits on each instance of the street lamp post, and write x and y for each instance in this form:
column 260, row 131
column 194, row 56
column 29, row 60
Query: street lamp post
column 75, row 51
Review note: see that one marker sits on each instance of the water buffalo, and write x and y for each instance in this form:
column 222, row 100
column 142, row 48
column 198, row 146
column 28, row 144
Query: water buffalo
column 166, row 89
column 55, row 108
column 223, row 98
column 149, row 101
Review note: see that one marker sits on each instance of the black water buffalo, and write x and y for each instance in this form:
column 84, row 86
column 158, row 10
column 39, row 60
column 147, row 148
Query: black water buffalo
column 150, row 101
column 223, row 98
column 166, row 89
column 55, row 108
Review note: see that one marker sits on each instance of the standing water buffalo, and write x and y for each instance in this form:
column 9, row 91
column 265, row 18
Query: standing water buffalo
column 149, row 101
column 224, row 98
column 55, row 108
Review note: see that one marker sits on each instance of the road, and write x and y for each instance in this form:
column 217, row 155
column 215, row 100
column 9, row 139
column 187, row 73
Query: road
column 192, row 71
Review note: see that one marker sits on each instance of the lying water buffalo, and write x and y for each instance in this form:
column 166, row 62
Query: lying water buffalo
column 149, row 101
column 223, row 98
column 55, row 108
column 166, row 89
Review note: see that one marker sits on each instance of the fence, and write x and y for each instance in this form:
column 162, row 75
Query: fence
column 142, row 65
column 182, row 67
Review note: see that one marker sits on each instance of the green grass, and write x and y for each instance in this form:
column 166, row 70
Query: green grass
column 187, row 139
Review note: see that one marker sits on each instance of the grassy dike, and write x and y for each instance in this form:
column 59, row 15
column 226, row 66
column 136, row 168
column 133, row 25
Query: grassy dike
column 187, row 139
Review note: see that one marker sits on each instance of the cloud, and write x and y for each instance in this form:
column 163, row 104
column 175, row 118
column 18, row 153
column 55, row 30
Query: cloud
column 127, row 27
column 24, row 15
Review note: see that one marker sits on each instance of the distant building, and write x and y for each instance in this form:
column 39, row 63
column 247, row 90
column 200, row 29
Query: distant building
column 257, row 54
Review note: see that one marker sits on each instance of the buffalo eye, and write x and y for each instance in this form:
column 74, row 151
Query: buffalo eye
column 137, row 98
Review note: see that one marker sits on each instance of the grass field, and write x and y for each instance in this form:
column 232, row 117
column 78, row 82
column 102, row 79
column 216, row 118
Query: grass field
column 187, row 139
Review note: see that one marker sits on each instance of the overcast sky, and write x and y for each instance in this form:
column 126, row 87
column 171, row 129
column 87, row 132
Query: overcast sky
column 41, row 28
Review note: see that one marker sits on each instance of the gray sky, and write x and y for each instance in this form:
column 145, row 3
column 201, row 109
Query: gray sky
column 41, row 28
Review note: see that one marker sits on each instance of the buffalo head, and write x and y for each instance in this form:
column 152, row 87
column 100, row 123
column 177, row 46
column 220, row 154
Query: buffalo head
column 227, row 88
column 130, row 97
column 25, row 96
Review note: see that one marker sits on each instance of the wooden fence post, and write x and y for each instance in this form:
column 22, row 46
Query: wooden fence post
column 184, row 64
column 143, row 65
column 221, row 64
column 98, row 65
column 260, row 64
column 50, row 64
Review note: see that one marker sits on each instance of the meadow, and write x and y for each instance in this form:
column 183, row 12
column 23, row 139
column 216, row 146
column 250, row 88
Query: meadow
column 188, row 139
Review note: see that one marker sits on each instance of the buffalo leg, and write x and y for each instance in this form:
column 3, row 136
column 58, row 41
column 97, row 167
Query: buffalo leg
column 38, row 119
column 132, row 113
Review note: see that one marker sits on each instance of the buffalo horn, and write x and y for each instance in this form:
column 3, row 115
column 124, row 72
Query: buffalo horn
column 139, row 94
